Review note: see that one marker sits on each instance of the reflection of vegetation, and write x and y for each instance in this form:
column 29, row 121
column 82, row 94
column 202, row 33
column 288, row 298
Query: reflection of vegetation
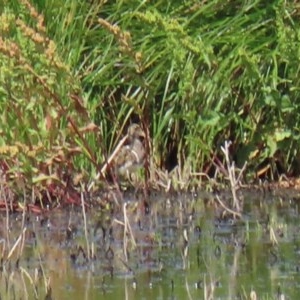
column 180, row 247
column 16, row 281
column 74, row 74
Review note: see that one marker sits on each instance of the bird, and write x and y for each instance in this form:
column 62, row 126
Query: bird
column 127, row 157
column 132, row 153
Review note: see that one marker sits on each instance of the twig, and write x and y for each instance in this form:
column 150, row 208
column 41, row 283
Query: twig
column 18, row 241
column 85, row 226
column 235, row 213
column 231, row 174
column 108, row 162
column 127, row 228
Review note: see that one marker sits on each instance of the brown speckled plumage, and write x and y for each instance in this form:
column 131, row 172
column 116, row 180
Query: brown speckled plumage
column 131, row 156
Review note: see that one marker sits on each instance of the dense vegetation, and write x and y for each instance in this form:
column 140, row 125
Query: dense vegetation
column 74, row 74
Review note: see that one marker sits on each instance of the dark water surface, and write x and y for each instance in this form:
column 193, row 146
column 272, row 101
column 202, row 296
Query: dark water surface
column 186, row 248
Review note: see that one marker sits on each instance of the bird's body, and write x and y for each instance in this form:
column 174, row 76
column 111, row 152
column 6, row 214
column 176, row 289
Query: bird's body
column 132, row 154
column 127, row 157
column 130, row 158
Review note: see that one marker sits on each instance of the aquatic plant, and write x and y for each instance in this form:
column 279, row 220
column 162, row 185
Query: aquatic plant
column 74, row 76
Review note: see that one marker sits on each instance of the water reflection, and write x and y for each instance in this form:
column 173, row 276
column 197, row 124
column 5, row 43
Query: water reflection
column 172, row 247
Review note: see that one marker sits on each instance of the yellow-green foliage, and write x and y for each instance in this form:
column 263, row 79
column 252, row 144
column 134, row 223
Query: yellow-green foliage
column 37, row 108
column 75, row 73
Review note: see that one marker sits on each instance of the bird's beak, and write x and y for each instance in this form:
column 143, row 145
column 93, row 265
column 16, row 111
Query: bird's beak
column 141, row 133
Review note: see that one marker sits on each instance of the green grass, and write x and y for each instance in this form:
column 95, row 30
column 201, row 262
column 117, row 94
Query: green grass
column 195, row 74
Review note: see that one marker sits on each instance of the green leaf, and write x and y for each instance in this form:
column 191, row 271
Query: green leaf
column 282, row 134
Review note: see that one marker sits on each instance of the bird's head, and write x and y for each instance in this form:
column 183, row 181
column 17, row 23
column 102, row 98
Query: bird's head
column 135, row 132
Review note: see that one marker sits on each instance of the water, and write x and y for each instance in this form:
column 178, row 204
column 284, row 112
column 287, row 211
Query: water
column 187, row 247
